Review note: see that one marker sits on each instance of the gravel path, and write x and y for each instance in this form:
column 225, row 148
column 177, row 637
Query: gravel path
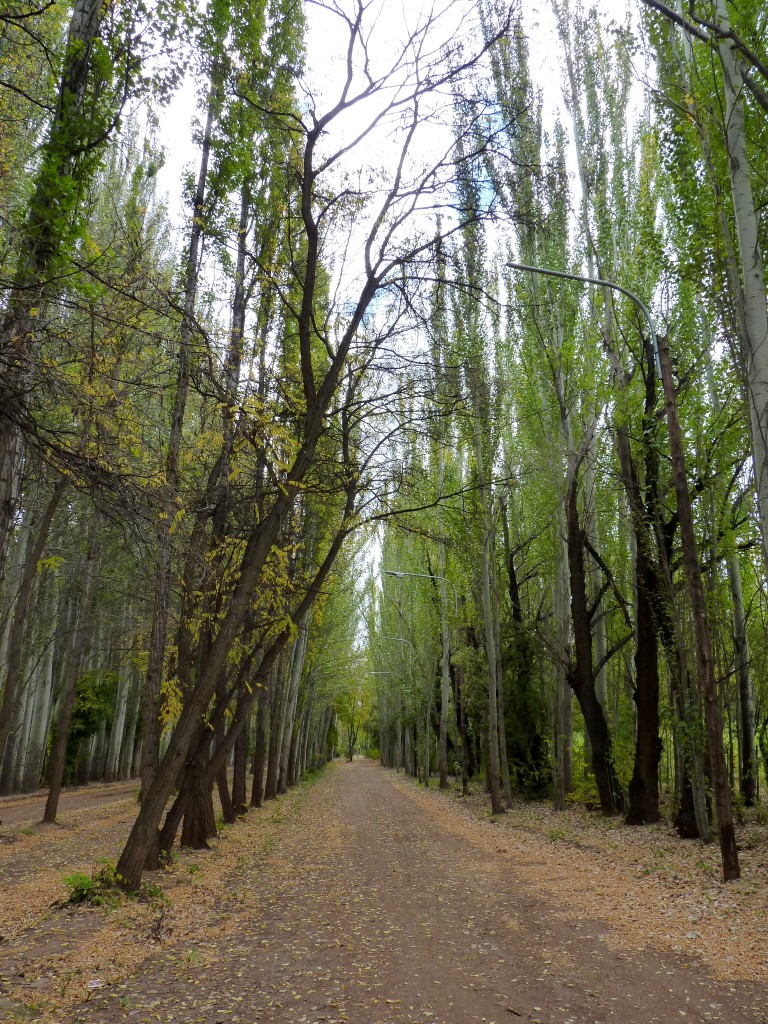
column 372, row 902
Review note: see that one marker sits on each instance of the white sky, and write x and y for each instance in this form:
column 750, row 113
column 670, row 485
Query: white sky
column 326, row 44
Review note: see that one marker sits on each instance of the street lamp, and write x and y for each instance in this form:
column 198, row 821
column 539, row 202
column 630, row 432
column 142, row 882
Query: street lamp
column 600, row 283
column 398, row 574
column 400, row 639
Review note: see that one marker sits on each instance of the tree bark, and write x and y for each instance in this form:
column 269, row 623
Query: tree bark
column 644, row 785
column 748, row 773
column 260, row 749
column 445, row 669
column 199, row 818
column 275, row 732
column 580, row 675
column 704, row 663
column 292, row 696
column 753, row 291
column 239, row 772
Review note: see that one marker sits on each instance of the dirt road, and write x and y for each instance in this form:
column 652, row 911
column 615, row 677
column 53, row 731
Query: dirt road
column 376, row 904
column 18, row 809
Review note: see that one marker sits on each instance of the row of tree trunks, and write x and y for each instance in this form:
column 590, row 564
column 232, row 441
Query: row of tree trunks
column 76, row 655
column 14, row 689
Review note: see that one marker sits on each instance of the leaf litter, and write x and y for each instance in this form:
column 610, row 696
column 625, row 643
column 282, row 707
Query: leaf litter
column 284, row 892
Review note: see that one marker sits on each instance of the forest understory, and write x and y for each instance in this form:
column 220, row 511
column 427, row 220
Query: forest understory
column 331, row 847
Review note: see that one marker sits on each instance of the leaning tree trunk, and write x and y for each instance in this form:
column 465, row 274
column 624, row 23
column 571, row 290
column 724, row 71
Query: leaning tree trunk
column 150, row 750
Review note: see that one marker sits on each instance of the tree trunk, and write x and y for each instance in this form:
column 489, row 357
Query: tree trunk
column 501, row 700
column 580, row 675
column 48, row 222
column 743, row 675
column 753, row 292
column 462, row 723
column 117, row 732
column 222, row 783
column 712, row 712
column 494, row 775
column 131, row 721
column 150, row 749
column 494, row 772
column 562, row 696
column 644, row 785
column 292, row 696
column 260, row 749
column 445, row 668
column 41, row 720
column 239, row 773
column 277, row 719
column 199, row 817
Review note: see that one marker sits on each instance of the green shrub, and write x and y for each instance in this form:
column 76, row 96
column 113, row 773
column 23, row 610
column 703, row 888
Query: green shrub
column 100, row 888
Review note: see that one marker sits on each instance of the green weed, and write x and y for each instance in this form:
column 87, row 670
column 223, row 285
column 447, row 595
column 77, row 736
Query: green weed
column 103, row 888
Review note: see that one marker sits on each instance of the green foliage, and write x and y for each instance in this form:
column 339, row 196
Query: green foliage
column 527, row 715
column 94, row 705
column 104, row 888
column 100, row 889
column 95, row 702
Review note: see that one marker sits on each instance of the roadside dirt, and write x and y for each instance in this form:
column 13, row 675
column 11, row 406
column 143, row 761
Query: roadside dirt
column 368, row 900
column 15, row 810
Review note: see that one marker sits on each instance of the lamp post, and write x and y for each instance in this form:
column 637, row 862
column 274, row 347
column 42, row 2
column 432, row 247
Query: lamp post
column 692, row 564
column 600, row 283
column 425, row 576
column 399, row 639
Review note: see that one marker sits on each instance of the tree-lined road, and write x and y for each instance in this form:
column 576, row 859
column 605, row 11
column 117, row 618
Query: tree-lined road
column 377, row 905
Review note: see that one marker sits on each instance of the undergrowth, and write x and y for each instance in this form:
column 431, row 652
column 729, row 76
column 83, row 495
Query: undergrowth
column 103, row 888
